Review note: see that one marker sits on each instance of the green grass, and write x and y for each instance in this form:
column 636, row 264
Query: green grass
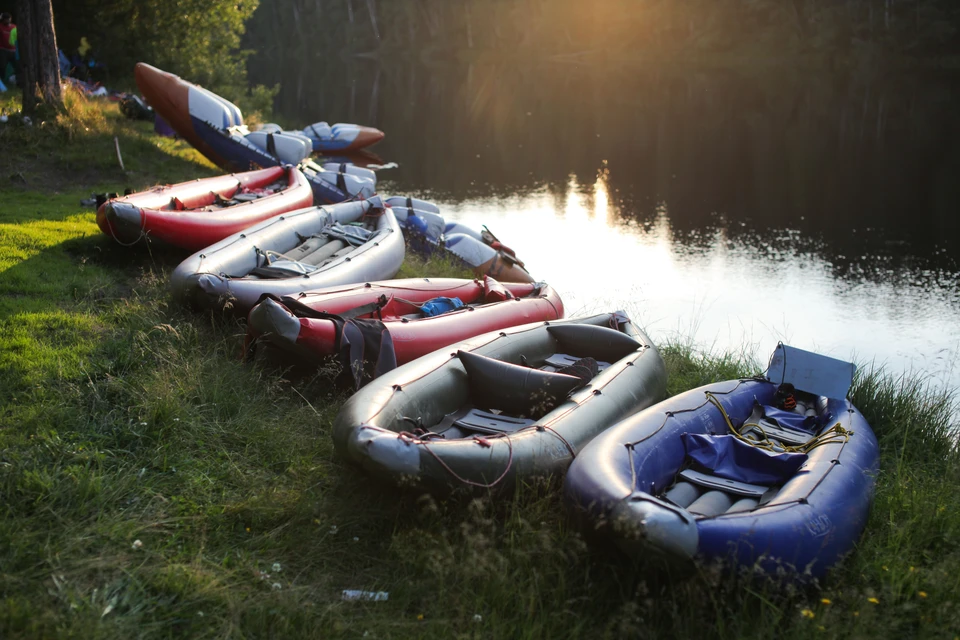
column 124, row 418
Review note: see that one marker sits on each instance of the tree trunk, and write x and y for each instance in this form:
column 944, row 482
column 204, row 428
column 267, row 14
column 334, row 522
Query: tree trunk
column 39, row 64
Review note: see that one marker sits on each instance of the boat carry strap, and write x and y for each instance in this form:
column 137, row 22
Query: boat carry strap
column 271, row 145
column 303, row 311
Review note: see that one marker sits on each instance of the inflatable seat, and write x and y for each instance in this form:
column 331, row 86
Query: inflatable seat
column 288, row 148
column 211, row 108
column 319, row 130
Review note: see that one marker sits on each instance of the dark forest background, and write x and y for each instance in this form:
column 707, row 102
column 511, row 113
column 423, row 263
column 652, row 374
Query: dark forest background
column 210, row 41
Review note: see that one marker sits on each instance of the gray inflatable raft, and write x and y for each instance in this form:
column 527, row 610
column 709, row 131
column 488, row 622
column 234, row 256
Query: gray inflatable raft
column 502, row 407
column 298, row 251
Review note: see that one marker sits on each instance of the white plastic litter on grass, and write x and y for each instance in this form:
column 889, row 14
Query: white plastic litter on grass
column 356, row 594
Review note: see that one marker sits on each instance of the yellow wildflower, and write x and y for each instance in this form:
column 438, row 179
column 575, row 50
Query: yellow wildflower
column 922, row 594
column 825, row 600
column 806, row 613
column 419, row 616
column 873, row 600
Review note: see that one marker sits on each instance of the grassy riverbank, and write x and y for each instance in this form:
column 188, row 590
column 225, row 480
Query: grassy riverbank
column 155, row 486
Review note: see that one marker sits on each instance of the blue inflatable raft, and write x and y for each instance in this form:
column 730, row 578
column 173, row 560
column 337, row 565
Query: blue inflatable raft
column 767, row 473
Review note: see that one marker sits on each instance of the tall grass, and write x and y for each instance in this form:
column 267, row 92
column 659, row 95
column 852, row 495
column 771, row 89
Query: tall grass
column 61, row 150
column 156, row 486
column 248, row 526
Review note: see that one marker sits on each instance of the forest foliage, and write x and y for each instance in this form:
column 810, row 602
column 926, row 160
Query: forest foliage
column 622, row 28
column 210, row 41
column 197, row 39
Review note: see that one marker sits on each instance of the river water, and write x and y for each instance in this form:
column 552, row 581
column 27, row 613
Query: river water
column 725, row 211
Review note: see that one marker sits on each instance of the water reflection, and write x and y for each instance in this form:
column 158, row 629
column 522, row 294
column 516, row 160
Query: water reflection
column 727, row 210
column 725, row 292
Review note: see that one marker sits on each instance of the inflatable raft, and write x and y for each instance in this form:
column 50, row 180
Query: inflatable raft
column 340, row 137
column 195, row 214
column 421, row 315
column 770, row 473
column 298, row 251
column 214, row 126
column 503, row 407
column 427, row 231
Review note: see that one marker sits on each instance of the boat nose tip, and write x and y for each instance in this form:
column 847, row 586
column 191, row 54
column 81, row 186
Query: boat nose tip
column 642, row 520
column 207, row 289
column 368, row 136
column 384, row 452
column 143, row 70
column 121, row 220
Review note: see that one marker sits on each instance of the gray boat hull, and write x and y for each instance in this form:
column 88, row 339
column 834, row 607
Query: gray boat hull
column 217, row 276
column 375, row 428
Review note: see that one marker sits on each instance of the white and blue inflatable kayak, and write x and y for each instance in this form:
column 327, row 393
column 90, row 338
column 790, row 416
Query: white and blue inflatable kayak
column 214, row 126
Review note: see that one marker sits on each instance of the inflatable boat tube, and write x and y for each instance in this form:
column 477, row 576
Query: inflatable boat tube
column 214, row 126
column 427, row 231
column 341, row 137
column 349, row 169
column 647, row 485
column 488, row 306
column 297, row 251
column 196, row 214
column 444, row 422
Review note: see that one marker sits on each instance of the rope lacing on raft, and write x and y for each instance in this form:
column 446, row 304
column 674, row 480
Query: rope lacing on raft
column 483, row 442
column 835, row 434
column 421, row 436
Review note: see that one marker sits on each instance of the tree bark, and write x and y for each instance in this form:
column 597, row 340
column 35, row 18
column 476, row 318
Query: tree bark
column 39, row 64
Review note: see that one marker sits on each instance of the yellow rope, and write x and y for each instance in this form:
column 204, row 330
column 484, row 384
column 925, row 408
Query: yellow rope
column 836, row 433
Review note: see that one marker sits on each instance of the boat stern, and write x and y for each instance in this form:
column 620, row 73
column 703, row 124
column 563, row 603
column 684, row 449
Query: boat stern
column 384, row 453
column 200, row 290
column 271, row 317
column 121, row 220
column 643, row 523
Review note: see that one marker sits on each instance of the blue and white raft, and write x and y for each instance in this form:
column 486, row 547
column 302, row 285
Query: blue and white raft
column 775, row 473
column 214, row 126
column 270, row 146
column 427, row 231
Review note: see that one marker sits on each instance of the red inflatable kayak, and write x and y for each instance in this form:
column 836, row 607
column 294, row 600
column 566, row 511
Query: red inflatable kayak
column 193, row 215
column 488, row 306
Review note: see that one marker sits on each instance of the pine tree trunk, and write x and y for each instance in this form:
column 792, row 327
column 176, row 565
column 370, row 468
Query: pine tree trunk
column 39, row 64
